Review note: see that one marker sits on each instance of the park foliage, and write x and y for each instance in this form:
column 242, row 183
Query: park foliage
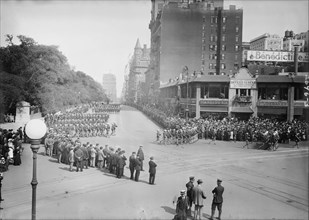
column 42, row 76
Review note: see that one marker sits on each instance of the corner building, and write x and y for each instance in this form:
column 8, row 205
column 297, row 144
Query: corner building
column 201, row 35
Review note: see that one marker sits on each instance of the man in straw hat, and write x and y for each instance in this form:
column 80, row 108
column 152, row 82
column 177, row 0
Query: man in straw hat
column 198, row 198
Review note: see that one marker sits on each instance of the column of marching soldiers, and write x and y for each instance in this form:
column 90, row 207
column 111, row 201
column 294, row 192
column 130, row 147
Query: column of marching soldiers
column 64, row 127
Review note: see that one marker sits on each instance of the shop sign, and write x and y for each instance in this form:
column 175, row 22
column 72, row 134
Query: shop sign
column 306, row 93
column 243, row 83
column 276, row 56
column 273, row 103
column 213, row 102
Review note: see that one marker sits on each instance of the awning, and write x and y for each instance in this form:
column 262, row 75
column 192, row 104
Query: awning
column 242, row 110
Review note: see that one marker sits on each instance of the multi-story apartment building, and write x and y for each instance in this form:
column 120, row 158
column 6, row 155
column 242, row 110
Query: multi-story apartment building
column 200, row 35
column 266, row 42
column 138, row 66
column 291, row 40
column 109, row 86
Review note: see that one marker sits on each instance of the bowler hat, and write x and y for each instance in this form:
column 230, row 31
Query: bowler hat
column 219, row 180
column 199, row 181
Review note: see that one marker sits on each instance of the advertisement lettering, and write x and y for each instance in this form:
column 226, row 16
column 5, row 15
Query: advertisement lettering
column 276, row 56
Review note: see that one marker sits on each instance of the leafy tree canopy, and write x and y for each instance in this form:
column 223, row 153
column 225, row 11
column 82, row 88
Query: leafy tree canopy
column 41, row 75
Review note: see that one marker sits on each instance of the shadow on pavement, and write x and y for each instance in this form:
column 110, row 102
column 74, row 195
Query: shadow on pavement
column 66, row 168
column 169, row 210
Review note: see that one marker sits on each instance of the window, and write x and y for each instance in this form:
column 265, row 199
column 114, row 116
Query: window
column 203, row 34
column 223, row 28
column 223, row 20
column 223, row 38
column 212, row 56
column 237, row 20
column 223, row 66
column 212, row 66
column 203, row 27
column 236, row 38
column 223, row 73
column 204, row 19
column 236, row 66
column 203, row 56
column 223, row 56
column 213, row 19
column 236, row 56
column 237, row 29
column 223, row 47
column 203, row 41
column 236, row 47
column 203, row 62
column 212, row 38
column 212, row 47
column 204, row 48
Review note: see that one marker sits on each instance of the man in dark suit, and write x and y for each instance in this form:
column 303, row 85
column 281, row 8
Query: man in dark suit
column 140, row 154
column 132, row 164
column 137, row 168
column 152, row 171
column 190, row 186
column 217, row 199
column 78, row 157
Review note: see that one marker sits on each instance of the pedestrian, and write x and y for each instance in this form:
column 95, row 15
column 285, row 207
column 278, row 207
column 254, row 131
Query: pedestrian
column 190, row 186
column 247, row 140
column 140, row 154
column 121, row 162
column 182, row 206
column 2, row 169
column 297, row 139
column 217, row 199
column 93, row 153
column 85, row 156
column 100, row 158
column 78, row 158
column 198, row 198
column 137, row 168
column 132, row 164
column 152, row 171
column 71, row 158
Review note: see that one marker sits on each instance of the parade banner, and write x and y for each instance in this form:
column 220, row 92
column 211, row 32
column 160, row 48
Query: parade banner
column 243, row 84
column 276, row 56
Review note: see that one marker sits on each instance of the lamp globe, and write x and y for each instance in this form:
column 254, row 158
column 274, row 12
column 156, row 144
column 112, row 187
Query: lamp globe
column 35, row 129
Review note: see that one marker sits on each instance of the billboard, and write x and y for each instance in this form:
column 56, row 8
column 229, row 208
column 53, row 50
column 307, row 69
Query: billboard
column 275, row 56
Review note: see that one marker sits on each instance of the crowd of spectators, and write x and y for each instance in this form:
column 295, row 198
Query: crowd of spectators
column 10, row 147
column 227, row 128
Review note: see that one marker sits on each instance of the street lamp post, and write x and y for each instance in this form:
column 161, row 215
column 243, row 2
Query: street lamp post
column 187, row 103
column 35, row 129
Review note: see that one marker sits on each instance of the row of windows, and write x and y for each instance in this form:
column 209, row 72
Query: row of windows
column 213, row 56
column 214, row 19
column 223, row 47
column 214, row 28
column 214, row 38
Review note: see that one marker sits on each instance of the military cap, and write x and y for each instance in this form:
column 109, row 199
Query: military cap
column 191, row 177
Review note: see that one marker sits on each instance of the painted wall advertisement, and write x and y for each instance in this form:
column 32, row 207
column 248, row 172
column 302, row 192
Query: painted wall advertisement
column 276, row 56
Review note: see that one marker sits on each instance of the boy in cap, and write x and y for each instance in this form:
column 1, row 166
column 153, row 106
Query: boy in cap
column 217, row 199
column 182, row 206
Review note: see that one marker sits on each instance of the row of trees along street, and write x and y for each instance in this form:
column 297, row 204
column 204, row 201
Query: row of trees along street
column 42, row 76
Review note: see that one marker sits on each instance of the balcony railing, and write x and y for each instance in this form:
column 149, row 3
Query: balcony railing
column 242, row 99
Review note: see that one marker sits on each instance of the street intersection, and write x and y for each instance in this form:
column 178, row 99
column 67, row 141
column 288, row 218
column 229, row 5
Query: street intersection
column 258, row 184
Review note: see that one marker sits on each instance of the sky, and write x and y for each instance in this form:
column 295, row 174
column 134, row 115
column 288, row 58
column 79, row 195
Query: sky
column 98, row 36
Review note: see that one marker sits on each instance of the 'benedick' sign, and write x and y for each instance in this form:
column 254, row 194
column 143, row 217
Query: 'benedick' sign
column 275, row 56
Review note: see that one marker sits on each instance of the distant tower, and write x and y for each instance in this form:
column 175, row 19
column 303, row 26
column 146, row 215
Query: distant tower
column 109, row 86
column 138, row 51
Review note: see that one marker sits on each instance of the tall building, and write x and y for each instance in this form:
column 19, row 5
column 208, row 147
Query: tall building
column 109, row 86
column 138, row 66
column 201, row 35
column 266, row 42
column 290, row 40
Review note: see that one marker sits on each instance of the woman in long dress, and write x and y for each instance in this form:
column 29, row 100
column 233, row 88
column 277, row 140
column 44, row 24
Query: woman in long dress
column 17, row 160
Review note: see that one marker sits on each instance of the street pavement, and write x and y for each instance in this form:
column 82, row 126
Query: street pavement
column 258, row 184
